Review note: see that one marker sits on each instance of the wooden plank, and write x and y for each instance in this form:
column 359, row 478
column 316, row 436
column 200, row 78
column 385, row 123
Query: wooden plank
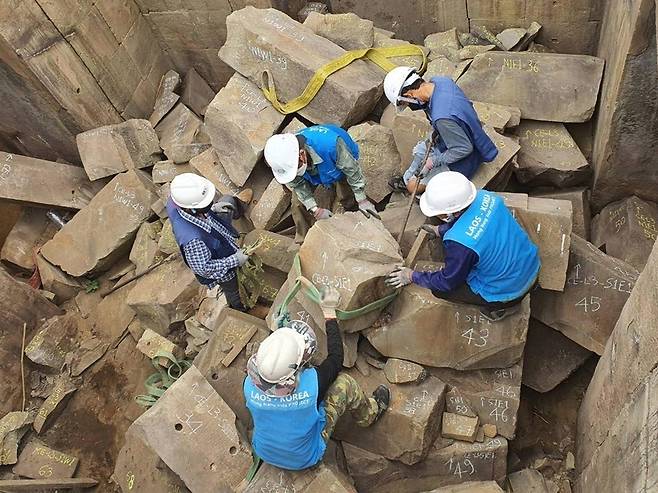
column 239, row 345
column 11, row 485
column 45, row 183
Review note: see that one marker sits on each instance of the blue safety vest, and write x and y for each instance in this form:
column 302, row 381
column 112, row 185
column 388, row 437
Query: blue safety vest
column 322, row 138
column 185, row 231
column 449, row 102
column 508, row 260
column 288, row 430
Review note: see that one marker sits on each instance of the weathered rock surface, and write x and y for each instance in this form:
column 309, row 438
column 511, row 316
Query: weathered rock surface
column 168, row 294
column 270, row 207
column 511, row 37
column 320, row 478
column 239, row 120
column 196, row 93
column 459, row 427
column 182, row 153
column 275, row 250
column 527, row 481
column 353, row 254
column 166, row 97
column 544, row 370
column 495, row 174
column 53, row 340
column 497, row 116
column 63, row 286
column 471, row 51
column 378, row 157
column 348, row 31
column 471, row 487
column 579, row 199
column 259, row 39
column 37, row 461
column 444, row 44
column 597, row 287
column 446, row 464
column 409, row 128
column 627, row 230
column 180, row 126
column 13, row 427
column 550, row 156
column 113, row 149
column 493, row 395
column 54, row 404
column 545, row 86
column 442, row 66
column 382, row 41
column 193, row 431
column 208, row 165
column 32, row 229
column 408, row 428
column 401, row 371
column 408, row 330
column 103, row 230
column 145, row 247
column 165, row 171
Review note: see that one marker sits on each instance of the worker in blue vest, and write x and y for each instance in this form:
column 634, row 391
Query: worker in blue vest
column 489, row 259
column 458, row 141
column 318, row 155
column 295, row 406
column 205, row 233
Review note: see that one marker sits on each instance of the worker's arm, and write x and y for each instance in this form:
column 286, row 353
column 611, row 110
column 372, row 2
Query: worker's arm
column 459, row 260
column 304, row 192
column 200, row 260
column 458, row 144
column 351, row 169
column 330, row 368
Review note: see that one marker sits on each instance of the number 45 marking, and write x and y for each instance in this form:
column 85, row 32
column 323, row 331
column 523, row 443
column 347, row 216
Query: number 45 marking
column 591, row 304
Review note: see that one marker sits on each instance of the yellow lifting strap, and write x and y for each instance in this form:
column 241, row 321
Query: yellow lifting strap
column 379, row 56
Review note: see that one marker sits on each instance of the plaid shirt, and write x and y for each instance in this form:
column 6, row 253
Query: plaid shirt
column 198, row 255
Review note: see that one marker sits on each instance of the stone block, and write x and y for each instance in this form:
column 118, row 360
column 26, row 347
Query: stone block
column 113, row 149
column 166, row 97
column 30, row 181
column 167, row 243
column 471, row 51
column 545, row 86
column 409, row 128
column 627, row 229
column 442, row 66
column 544, row 370
column 495, row 174
column 493, row 395
column 579, row 199
column 168, row 294
column 208, row 165
column 193, row 431
column 382, row 41
column 444, row 44
column 196, row 93
column 401, row 371
column 53, row 406
column 52, row 342
column 549, row 156
column 489, row 430
column 270, row 207
column 53, row 279
column 446, row 464
column 268, row 39
column 497, row 116
column 527, row 481
column 459, row 427
column 13, row 426
column 151, row 344
column 38, row 461
column 348, row 31
column 180, row 126
column 31, row 230
column 406, row 431
column 111, row 315
column 378, row 157
column 471, row 487
column 597, row 287
column 165, row 171
column 239, row 120
column 332, row 255
column 182, row 153
column 466, row 341
column 102, row 232
column 511, row 37
column 393, row 218
column 275, row 250
column 321, row 478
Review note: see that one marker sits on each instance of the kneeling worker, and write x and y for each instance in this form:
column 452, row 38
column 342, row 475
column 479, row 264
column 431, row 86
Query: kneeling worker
column 205, row 233
column 317, row 155
column 294, row 406
column 459, row 142
column 489, row 259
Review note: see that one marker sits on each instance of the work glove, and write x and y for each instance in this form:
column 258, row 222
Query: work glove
column 426, row 169
column 400, row 277
column 241, row 257
column 368, row 209
column 223, row 207
column 321, row 213
column 329, row 299
column 433, row 231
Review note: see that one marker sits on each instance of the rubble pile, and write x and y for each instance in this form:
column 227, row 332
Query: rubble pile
column 122, row 299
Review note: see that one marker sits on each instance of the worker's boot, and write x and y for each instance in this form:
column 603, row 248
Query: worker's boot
column 382, row 396
column 243, row 199
column 397, row 184
column 498, row 315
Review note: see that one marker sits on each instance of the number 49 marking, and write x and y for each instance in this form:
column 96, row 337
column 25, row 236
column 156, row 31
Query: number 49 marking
column 590, row 304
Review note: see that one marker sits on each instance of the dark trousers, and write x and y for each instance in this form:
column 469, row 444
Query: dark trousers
column 464, row 294
column 232, row 294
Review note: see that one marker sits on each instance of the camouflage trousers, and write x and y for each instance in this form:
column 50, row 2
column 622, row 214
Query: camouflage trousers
column 346, row 395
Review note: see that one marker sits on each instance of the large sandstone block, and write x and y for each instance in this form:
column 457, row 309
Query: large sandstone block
column 470, row 487
column 193, row 431
column 495, row 175
column 266, row 39
column 442, row 66
column 275, row 250
column 410, row 425
column 444, row 44
column 493, row 395
column 348, row 31
column 32, row 230
column 353, row 254
column 270, row 207
column 239, row 120
column 168, row 294
column 545, row 86
column 550, row 156
column 579, row 198
column 497, row 116
column 378, row 157
column 544, row 370
column 208, row 165
column 102, row 232
column 321, row 478
column 113, row 149
column 393, row 217
column 446, row 464
column 196, row 93
column 179, row 127
column 63, row 286
column 597, row 287
column 627, row 230
column 419, row 327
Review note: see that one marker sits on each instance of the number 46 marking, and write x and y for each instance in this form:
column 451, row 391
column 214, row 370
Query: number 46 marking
column 591, row 304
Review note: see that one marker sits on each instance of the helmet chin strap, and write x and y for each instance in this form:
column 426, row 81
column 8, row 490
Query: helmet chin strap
column 447, row 218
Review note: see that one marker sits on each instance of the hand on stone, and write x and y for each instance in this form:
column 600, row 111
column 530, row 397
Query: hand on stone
column 321, row 213
column 223, row 208
column 329, row 299
column 368, row 209
column 400, row 277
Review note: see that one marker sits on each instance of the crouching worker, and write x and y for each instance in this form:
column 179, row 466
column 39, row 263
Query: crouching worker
column 489, row 259
column 205, row 233
column 295, row 406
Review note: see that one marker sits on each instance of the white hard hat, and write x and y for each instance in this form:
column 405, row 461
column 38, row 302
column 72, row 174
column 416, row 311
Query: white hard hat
column 447, row 193
column 396, row 80
column 282, row 155
column 191, row 191
column 280, row 355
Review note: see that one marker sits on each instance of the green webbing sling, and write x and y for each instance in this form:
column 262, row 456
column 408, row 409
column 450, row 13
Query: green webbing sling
column 158, row 382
